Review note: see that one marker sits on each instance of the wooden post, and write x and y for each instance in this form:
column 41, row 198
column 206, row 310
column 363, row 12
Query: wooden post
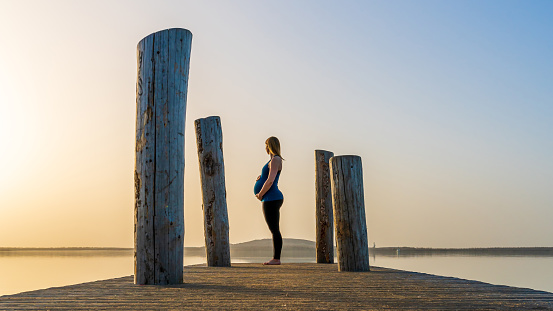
column 323, row 208
column 209, row 139
column 161, row 89
column 349, row 213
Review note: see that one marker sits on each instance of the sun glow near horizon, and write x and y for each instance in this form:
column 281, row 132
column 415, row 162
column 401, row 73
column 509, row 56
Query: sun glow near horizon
column 448, row 105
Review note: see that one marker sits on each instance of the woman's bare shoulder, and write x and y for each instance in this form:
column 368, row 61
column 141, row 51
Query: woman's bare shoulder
column 277, row 162
column 276, row 159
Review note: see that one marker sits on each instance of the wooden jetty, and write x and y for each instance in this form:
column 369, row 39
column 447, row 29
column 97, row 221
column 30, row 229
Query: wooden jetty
column 294, row 286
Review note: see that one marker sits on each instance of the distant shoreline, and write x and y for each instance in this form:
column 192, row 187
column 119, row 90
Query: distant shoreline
column 480, row 251
column 64, row 249
column 302, row 248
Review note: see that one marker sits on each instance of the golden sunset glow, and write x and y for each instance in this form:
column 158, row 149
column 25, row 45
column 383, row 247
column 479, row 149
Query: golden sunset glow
column 452, row 118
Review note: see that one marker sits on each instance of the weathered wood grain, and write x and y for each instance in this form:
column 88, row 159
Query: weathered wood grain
column 162, row 82
column 209, row 139
column 349, row 213
column 287, row 287
column 323, row 208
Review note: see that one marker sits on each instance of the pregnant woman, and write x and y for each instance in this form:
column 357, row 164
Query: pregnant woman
column 266, row 190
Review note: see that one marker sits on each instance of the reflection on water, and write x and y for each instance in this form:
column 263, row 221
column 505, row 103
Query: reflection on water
column 529, row 272
column 28, row 271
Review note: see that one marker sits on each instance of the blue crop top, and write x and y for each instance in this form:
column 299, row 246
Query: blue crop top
column 274, row 193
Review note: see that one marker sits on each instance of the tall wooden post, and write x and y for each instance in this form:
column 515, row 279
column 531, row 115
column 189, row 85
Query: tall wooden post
column 349, row 213
column 323, row 208
column 209, row 139
column 161, row 89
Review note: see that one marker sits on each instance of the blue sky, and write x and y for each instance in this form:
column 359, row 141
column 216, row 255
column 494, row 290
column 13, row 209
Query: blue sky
column 449, row 104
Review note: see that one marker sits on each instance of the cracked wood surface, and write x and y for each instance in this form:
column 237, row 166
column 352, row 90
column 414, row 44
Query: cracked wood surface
column 293, row 286
column 349, row 213
column 209, row 140
column 323, row 208
column 163, row 60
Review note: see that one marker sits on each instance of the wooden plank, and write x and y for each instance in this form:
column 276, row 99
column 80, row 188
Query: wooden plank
column 144, row 166
column 323, row 208
column 306, row 286
column 161, row 205
column 349, row 213
column 209, row 139
column 179, row 56
column 163, row 71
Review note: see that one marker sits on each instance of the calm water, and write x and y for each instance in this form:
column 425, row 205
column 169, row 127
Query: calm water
column 528, row 272
column 27, row 272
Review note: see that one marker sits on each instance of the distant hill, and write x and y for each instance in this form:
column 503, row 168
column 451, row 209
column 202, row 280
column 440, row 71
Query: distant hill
column 295, row 243
column 263, row 248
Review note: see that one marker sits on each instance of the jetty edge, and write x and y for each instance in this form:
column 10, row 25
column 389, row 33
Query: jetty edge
column 292, row 286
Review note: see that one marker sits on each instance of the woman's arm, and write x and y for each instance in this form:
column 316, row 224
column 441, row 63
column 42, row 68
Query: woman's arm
column 274, row 166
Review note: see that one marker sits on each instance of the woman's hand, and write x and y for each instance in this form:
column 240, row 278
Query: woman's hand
column 259, row 197
column 258, row 177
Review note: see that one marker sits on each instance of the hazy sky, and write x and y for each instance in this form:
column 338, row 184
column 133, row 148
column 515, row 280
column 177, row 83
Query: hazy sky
column 449, row 104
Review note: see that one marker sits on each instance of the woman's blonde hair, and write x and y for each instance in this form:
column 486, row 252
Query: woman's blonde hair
column 274, row 146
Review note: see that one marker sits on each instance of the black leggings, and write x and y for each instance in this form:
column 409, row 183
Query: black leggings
column 271, row 210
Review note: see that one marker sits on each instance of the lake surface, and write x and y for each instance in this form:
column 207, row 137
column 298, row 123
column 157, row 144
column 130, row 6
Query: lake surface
column 43, row 269
column 518, row 271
